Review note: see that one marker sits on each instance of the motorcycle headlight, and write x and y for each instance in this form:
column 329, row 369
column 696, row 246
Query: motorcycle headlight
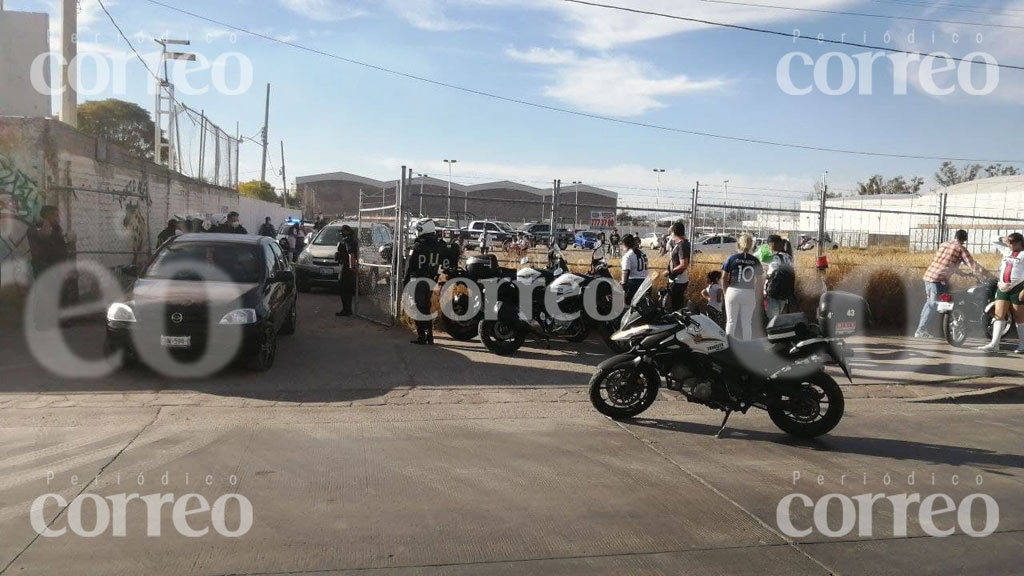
column 240, row 316
column 119, row 312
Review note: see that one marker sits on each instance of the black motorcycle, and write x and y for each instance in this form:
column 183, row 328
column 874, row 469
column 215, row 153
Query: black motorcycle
column 969, row 313
column 460, row 325
column 783, row 374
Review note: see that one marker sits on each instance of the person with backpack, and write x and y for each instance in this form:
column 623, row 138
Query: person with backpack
column 780, row 283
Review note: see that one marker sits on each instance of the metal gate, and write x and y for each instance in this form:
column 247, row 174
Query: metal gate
column 382, row 225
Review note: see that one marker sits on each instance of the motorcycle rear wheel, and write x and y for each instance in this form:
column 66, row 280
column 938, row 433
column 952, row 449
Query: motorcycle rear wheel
column 615, row 395
column 500, row 337
column 954, row 328
column 813, row 411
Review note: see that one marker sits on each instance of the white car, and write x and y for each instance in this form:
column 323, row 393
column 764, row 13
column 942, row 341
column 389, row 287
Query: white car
column 650, row 241
column 714, row 244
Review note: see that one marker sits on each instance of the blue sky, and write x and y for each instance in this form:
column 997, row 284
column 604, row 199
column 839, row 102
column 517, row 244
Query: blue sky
column 335, row 116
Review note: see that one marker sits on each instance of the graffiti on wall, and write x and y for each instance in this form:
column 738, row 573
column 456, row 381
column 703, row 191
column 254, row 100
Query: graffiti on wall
column 138, row 231
column 20, row 201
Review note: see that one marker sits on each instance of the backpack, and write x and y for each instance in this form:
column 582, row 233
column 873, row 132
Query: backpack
column 782, row 284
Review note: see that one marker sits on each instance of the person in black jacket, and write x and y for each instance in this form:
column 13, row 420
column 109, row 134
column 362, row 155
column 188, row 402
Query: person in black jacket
column 167, row 233
column 267, row 229
column 348, row 258
column 424, row 262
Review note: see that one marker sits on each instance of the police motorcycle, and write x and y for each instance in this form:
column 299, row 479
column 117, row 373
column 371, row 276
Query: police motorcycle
column 556, row 301
column 462, row 307
column 783, row 374
column 970, row 313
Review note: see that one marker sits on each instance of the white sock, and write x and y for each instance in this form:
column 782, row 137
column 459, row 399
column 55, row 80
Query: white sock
column 997, row 331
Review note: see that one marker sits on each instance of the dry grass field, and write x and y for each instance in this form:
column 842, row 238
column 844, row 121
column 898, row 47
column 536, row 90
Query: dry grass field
column 888, row 278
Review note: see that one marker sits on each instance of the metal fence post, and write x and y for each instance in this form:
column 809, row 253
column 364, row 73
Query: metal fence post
column 693, row 211
column 941, row 228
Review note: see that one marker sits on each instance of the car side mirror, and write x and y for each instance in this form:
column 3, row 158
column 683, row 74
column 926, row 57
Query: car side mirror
column 131, row 271
column 285, row 276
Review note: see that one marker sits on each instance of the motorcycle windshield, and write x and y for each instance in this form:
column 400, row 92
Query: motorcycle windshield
column 643, row 290
column 600, row 253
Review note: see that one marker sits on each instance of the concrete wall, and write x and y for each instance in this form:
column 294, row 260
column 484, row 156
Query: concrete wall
column 112, row 204
column 23, row 37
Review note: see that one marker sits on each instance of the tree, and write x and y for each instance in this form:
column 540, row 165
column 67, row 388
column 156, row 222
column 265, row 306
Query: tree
column 259, row 190
column 878, row 185
column 949, row 174
column 122, row 123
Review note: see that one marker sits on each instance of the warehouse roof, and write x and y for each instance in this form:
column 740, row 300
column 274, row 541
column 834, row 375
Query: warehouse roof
column 505, row 184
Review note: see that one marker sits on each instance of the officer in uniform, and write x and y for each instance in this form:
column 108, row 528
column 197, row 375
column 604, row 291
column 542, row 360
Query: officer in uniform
column 348, row 257
column 427, row 255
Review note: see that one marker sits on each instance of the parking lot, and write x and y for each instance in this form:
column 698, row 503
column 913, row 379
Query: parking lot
column 361, row 453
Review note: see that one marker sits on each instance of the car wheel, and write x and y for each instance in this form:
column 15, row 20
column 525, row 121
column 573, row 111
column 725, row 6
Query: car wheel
column 293, row 319
column 266, row 352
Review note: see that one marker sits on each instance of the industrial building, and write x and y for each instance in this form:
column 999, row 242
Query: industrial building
column 337, row 194
column 986, row 208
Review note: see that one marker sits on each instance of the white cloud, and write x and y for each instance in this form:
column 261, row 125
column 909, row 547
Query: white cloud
column 615, row 85
column 323, row 10
column 427, row 15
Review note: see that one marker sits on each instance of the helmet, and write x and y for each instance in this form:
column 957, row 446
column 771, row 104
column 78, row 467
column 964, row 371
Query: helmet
column 425, row 227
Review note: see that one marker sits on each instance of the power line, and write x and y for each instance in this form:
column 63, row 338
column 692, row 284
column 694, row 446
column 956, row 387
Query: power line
column 865, row 14
column 578, row 113
column 783, row 34
column 952, row 6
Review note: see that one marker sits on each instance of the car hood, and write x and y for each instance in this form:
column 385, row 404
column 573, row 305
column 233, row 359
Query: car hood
column 181, row 293
column 322, row 251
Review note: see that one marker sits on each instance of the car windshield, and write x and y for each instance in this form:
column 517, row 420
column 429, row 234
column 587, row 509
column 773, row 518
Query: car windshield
column 590, row 235
column 329, row 236
column 504, row 227
column 197, row 261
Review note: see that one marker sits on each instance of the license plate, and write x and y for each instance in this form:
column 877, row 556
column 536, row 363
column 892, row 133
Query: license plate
column 176, row 341
column 327, row 272
column 944, row 306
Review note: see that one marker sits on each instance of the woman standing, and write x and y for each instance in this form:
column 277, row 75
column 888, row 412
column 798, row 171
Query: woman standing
column 299, row 241
column 742, row 283
column 634, row 266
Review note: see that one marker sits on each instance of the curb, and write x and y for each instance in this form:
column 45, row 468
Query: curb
column 1005, row 394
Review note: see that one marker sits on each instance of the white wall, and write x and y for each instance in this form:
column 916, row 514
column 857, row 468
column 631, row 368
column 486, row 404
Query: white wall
column 23, row 37
column 252, row 212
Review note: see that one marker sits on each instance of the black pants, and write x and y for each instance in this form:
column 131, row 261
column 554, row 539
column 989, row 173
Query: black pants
column 678, row 292
column 421, row 297
column 348, row 288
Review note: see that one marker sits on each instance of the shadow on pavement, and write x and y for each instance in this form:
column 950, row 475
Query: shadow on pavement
column 873, row 447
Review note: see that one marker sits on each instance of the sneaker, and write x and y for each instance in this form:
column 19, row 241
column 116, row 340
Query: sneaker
column 989, row 347
column 924, row 334
column 1020, row 349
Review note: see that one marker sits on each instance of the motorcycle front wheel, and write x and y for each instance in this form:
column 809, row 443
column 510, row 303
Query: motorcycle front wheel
column 622, row 391
column 814, row 409
column 954, row 328
column 500, row 337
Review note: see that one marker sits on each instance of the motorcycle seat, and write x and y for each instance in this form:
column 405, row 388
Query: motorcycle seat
column 761, row 355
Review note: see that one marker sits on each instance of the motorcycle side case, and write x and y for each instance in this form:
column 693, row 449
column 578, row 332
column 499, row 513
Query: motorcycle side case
column 842, row 314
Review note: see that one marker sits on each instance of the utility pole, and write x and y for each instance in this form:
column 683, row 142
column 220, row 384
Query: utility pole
column 284, row 180
column 450, row 163
column 266, row 130
column 659, row 172
column 821, row 216
column 165, row 106
column 693, row 210
column 423, row 177
column 69, row 34
column 577, row 185
column 725, row 214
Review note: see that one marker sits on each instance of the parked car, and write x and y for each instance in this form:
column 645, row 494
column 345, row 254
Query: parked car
column 650, row 241
column 317, row 266
column 284, row 232
column 195, row 290
column 499, row 232
column 715, row 244
column 586, row 240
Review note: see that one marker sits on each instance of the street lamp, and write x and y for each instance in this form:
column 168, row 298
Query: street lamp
column 422, row 178
column 659, row 172
column 450, row 163
column 724, row 204
column 577, row 185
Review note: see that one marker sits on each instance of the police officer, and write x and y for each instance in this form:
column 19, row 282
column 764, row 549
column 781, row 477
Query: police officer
column 348, row 257
column 426, row 257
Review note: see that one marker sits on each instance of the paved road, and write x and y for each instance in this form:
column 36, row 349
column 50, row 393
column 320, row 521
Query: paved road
column 452, row 461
